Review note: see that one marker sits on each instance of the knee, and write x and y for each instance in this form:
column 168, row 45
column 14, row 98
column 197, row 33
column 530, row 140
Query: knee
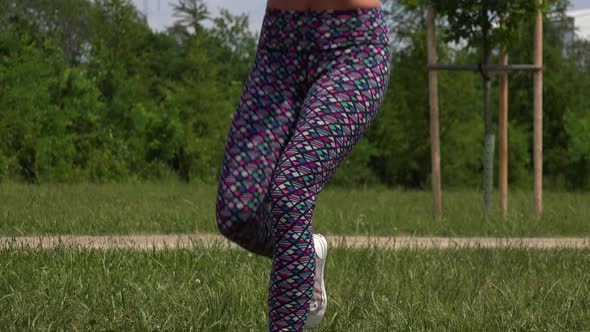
column 232, row 216
column 224, row 221
column 227, row 221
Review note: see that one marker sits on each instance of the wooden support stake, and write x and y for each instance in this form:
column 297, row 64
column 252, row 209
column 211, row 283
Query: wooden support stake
column 503, row 128
column 489, row 68
column 434, row 127
column 538, row 115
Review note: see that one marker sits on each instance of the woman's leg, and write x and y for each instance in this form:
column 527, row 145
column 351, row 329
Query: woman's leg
column 348, row 73
column 260, row 128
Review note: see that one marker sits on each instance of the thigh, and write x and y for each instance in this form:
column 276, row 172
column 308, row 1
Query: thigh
column 344, row 97
column 260, row 128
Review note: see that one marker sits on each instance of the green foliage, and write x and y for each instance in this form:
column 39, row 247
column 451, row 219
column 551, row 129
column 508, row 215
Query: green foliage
column 26, row 76
column 89, row 92
column 578, row 130
column 519, row 165
column 479, row 22
column 353, row 171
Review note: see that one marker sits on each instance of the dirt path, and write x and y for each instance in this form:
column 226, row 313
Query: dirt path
column 208, row 240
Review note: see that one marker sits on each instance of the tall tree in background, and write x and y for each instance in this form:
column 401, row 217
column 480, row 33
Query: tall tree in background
column 237, row 41
column 63, row 21
column 191, row 14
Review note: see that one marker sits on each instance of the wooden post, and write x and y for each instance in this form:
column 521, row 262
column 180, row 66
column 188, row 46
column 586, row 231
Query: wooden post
column 489, row 140
column 433, row 97
column 538, row 115
column 503, row 128
column 489, row 68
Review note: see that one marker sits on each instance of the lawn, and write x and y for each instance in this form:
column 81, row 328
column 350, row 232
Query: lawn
column 179, row 208
column 199, row 289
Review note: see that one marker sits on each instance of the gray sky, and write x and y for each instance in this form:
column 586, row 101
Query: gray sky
column 160, row 12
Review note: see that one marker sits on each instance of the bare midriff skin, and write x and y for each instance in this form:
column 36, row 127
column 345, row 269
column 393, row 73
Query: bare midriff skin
column 304, row 5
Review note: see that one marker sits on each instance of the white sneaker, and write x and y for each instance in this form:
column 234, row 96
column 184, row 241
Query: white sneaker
column 319, row 299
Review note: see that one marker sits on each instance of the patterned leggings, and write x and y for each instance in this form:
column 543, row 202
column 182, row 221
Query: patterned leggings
column 317, row 82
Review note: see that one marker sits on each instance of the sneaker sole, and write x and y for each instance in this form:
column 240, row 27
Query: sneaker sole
column 314, row 321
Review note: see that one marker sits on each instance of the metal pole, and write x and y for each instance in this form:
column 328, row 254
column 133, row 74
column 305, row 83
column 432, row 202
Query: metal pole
column 503, row 128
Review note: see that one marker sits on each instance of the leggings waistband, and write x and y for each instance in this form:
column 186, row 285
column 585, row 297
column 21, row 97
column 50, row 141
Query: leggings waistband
column 316, row 30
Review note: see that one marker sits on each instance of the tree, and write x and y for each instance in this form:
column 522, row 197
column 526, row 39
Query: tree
column 485, row 24
column 238, row 44
column 190, row 14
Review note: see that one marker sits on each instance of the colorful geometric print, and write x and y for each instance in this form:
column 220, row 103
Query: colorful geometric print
column 317, row 82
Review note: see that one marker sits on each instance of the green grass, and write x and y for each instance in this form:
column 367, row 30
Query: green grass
column 201, row 289
column 179, row 208
column 198, row 289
